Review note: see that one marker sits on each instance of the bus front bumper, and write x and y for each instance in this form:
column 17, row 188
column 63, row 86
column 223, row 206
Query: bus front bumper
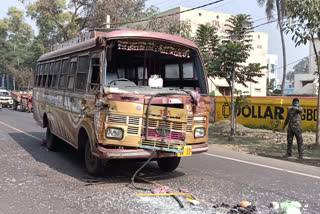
column 143, row 153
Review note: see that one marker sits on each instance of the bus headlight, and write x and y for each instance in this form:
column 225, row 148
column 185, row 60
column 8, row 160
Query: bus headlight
column 199, row 132
column 114, row 133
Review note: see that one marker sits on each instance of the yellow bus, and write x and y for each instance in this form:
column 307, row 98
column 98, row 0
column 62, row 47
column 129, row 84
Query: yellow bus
column 124, row 94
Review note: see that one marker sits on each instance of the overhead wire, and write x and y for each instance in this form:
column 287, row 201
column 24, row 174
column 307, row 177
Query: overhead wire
column 168, row 15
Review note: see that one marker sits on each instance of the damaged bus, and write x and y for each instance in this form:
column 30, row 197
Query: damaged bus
column 124, row 94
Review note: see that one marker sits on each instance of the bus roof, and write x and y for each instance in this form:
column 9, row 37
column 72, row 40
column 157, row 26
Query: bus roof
column 92, row 39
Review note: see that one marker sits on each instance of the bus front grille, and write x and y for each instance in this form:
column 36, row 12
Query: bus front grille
column 161, row 145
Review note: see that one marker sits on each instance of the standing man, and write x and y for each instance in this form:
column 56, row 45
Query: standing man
column 294, row 128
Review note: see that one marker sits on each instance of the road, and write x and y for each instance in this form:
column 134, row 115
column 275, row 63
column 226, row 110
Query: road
column 35, row 180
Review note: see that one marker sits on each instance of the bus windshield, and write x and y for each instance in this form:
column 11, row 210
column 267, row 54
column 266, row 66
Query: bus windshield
column 179, row 67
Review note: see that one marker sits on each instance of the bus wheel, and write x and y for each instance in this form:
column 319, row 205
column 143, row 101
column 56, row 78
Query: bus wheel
column 51, row 140
column 169, row 164
column 15, row 105
column 94, row 164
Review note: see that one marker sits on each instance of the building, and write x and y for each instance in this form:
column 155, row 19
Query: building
column 273, row 69
column 306, row 84
column 259, row 54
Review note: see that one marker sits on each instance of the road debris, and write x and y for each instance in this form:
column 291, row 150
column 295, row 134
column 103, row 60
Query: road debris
column 163, row 194
column 290, row 207
column 226, row 208
column 275, row 206
column 183, row 190
column 163, row 189
column 193, row 202
column 244, row 204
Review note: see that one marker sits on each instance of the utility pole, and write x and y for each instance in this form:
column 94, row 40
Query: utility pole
column 108, row 22
column 232, row 103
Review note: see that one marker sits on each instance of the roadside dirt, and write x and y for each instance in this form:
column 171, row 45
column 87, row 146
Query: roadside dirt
column 262, row 142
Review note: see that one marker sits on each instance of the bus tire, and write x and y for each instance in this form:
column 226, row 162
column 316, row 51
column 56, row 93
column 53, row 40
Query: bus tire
column 93, row 164
column 15, row 105
column 169, row 164
column 51, row 140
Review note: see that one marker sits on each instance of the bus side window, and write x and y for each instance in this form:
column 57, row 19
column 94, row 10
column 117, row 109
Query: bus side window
column 95, row 75
column 56, row 72
column 64, row 73
column 39, row 75
column 50, row 74
column 82, row 73
column 72, row 72
column 44, row 75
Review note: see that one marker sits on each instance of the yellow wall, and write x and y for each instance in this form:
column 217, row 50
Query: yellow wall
column 262, row 112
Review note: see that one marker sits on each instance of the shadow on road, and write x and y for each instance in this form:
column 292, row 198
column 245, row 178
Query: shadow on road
column 70, row 162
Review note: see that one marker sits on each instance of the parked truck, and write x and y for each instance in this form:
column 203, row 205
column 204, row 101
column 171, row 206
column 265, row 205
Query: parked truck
column 22, row 99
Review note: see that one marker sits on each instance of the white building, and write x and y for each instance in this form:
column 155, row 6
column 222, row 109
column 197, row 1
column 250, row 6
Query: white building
column 259, row 54
column 306, row 84
column 273, row 69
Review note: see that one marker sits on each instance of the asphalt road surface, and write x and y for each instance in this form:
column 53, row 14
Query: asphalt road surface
column 35, row 180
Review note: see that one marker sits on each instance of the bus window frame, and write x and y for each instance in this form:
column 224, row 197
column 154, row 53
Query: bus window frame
column 56, row 73
column 73, row 59
column 88, row 54
column 50, row 72
column 67, row 59
column 95, row 55
column 44, row 74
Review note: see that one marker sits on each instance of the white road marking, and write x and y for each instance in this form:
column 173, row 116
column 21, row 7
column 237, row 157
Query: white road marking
column 261, row 165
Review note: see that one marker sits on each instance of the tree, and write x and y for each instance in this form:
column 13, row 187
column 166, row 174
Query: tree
column 280, row 7
column 270, row 86
column 303, row 22
column 302, row 67
column 226, row 58
column 231, row 54
column 16, row 38
column 61, row 20
column 170, row 24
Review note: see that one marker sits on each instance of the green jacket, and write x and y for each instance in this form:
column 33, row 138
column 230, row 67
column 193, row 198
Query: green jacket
column 294, row 119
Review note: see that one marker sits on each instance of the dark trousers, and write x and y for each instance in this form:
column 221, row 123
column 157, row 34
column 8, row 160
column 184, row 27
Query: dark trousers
column 298, row 134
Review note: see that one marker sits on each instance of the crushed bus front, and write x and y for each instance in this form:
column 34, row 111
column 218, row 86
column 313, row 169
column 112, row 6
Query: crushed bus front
column 170, row 122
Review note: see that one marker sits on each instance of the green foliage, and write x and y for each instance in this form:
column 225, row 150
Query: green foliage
column 223, row 57
column 16, row 38
column 304, row 23
column 170, row 25
column 276, row 92
column 207, row 41
column 302, row 67
column 270, row 86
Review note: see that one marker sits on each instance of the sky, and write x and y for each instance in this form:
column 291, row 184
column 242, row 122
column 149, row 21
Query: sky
column 227, row 6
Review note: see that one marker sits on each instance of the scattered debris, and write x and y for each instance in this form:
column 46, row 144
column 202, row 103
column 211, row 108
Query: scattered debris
column 226, row 208
column 243, row 210
column 290, row 207
column 275, row 206
column 183, row 190
column 163, row 194
column 193, row 202
column 163, row 189
column 244, row 204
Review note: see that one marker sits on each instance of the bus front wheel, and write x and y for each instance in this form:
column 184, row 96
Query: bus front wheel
column 51, row 140
column 169, row 164
column 93, row 164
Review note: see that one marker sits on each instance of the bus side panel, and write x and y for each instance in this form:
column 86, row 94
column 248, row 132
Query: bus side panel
column 38, row 106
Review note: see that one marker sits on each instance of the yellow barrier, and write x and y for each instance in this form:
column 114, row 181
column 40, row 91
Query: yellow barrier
column 265, row 112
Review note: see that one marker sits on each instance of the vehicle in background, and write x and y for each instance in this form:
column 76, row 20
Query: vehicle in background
column 5, row 98
column 22, row 99
column 93, row 93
